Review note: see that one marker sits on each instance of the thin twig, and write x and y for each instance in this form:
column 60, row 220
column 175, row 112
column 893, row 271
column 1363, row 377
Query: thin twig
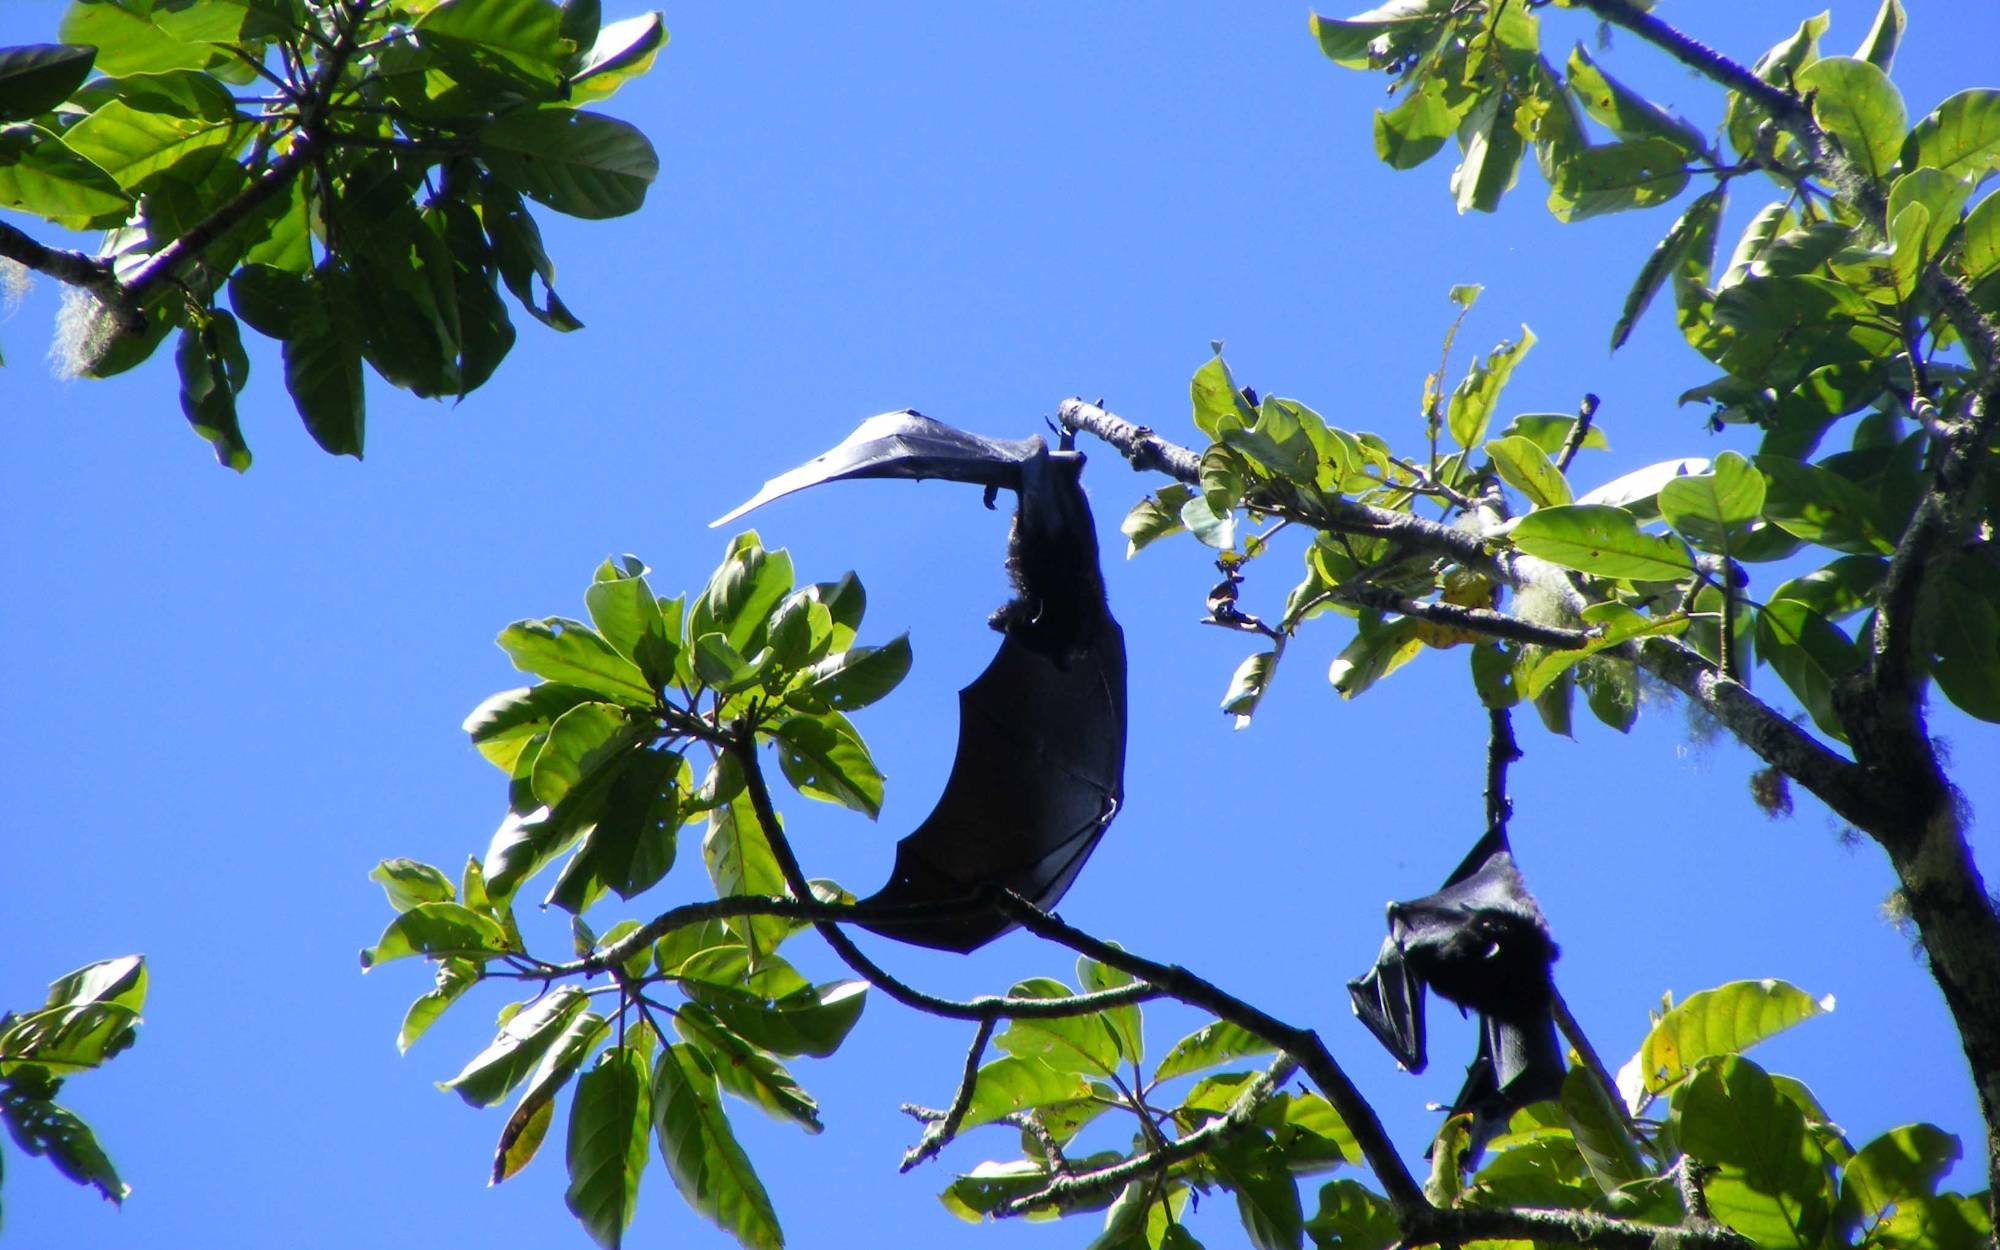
column 1579, row 1041
column 938, row 1133
column 1502, row 749
column 1585, row 413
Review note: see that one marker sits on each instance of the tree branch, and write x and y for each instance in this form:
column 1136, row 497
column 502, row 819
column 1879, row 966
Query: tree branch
column 89, row 272
column 1453, row 1226
column 939, row 1132
column 1502, row 749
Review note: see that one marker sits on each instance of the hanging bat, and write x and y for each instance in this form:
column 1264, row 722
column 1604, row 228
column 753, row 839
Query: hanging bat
column 1040, row 767
column 1480, row 942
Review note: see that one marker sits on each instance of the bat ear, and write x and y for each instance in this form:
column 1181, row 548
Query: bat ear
column 1390, row 1001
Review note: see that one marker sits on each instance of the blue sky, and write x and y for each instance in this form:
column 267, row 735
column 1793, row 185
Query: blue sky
column 231, row 696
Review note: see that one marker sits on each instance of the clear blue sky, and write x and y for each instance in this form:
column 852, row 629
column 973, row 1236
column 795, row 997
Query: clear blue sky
column 230, row 696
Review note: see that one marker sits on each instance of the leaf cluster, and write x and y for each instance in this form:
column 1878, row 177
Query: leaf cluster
column 352, row 174
column 90, row 1016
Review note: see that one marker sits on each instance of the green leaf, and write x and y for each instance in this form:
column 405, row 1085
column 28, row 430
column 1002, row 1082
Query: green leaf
column 1218, row 402
column 126, row 38
column 1857, row 104
column 61, row 1040
column 824, row 758
column 813, row 1020
column 1623, row 111
column 1083, row 1044
column 1377, row 651
column 1902, row 1167
column 1607, row 1149
column 1411, row 133
column 622, row 51
column 523, row 1040
column 1694, row 229
column 1247, row 686
column 1020, row 1084
column 1710, row 508
column 1982, row 238
column 1550, row 430
column 1158, row 515
column 41, row 1127
column 701, row 1152
column 1779, row 67
column 1470, row 408
column 213, row 368
column 528, row 1123
column 1878, row 48
column 739, row 857
column 633, row 843
column 1215, row 1042
column 1616, row 624
column 1770, row 1176
column 1528, row 469
column 437, row 929
column 517, row 249
column 563, row 650
column 1211, row 528
column 741, row 593
column 746, row 1071
column 1123, row 1022
column 1960, row 136
column 37, row 77
column 40, row 174
column 608, row 1120
column 119, row 982
column 1351, row 1217
column 579, row 163
column 1726, row 1020
column 1821, row 506
column 454, row 977
column 518, row 40
column 1267, row 1198
column 1603, row 541
column 1358, row 42
column 503, row 725
column 1491, row 147
column 581, row 740
column 854, row 678
column 142, row 149
column 323, row 366
column 1942, row 195
column 1960, row 617
column 1811, row 654
column 409, row 883
column 1613, row 177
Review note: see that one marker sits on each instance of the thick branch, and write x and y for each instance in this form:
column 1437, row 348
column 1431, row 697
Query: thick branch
column 1459, row 1225
column 1502, row 749
column 89, row 272
column 167, row 263
column 1241, row 1115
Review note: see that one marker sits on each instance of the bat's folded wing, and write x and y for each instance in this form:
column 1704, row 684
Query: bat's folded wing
column 908, row 445
column 1390, row 1001
column 1038, row 776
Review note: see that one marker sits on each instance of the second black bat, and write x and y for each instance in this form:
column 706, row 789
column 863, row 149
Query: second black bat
column 1040, row 766
column 1480, row 942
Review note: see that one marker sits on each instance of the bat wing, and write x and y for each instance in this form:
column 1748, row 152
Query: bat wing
column 1038, row 776
column 1517, row 1064
column 908, row 445
column 1390, row 1001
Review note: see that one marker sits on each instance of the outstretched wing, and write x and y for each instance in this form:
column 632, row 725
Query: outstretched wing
column 1038, row 776
column 903, row 444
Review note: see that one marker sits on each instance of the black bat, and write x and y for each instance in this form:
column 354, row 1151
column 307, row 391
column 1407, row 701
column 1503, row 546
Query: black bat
column 1040, row 768
column 1480, row 942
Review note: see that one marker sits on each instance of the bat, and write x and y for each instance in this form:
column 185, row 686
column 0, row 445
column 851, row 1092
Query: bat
column 1039, row 771
column 1482, row 943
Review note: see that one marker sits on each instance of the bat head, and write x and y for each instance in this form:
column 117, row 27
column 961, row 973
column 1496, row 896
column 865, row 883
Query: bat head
column 1481, row 941
column 1058, row 606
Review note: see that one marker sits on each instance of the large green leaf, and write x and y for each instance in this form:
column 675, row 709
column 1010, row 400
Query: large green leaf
column 519, row 40
column 213, row 368
column 1491, row 158
column 608, row 1123
column 1601, row 540
column 635, row 836
column 746, row 1071
column 1960, row 136
column 579, row 163
column 1859, row 106
column 824, row 758
column 1528, row 469
column 1960, row 612
column 1821, row 506
column 1811, row 654
column 504, row 724
column 523, row 1040
column 1613, row 177
column 454, row 977
column 142, row 149
column 1470, row 408
column 563, row 650
column 1085, row 1044
column 37, row 77
column 1723, row 1021
column 1376, row 651
column 853, row 678
column 1601, row 1138
column 528, row 1123
column 1215, row 1042
column 1770, row 1176
column 41, row 174
column 126, row 38
column 1352, row 1217
column 437, row 929
column 323, row 365
column 739, row 857
column 408, row 882
column 813, row 1020
column 1623, row 111
column 41, row 1127
column 1713, row 508
column 701, row 1152
column 1411, row 133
